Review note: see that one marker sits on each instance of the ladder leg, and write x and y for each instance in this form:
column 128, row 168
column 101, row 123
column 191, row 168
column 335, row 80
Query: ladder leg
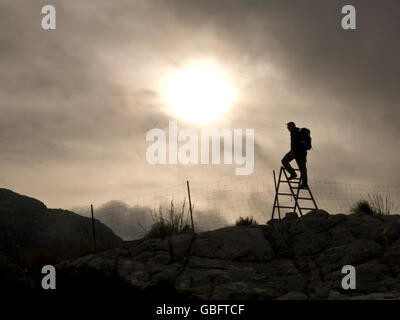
column 312, row 197
column 276, row 200
column 277, row 191
column 297, row 196
column 276, row 197
column 296, row 203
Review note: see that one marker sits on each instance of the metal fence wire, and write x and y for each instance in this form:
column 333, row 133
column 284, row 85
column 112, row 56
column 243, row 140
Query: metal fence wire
column 221, row 203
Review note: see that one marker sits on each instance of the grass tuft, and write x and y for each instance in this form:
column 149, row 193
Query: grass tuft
column 246, row 221
column 375, row 205
column 169, row 221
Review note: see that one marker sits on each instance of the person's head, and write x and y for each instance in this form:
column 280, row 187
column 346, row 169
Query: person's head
column 291, row 126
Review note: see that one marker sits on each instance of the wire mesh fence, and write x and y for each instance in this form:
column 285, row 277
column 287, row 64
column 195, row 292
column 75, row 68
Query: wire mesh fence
column 221, row 203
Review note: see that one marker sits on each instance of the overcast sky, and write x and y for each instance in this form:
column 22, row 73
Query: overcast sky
column 76, row 102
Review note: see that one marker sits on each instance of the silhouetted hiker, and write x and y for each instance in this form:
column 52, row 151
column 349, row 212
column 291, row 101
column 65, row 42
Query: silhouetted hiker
column 300, row 142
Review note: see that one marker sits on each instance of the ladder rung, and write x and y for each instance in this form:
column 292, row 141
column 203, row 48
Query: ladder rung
column 285, row 194
column 288, row 181
column 289, row 194
column 296, row 169
column 293, row 195
column 292, row 207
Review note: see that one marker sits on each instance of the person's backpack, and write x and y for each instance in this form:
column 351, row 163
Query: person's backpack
column 305, row 138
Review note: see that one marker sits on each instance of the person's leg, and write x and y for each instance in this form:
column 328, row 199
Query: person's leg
column 286, row 163
column 301, row 162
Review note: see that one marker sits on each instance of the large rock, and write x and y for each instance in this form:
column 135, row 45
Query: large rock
column 319, row 213
column 353, row 253
column 358, row 227
column 299, row 237
column 242, row 244
column 392, row 233
column 371, row 276
column 391, row 256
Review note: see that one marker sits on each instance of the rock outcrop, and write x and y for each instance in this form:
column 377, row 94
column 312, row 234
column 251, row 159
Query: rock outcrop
column 294, row 258
column 28, row 229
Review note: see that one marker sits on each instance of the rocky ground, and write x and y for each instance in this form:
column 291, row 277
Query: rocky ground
column 294, row 258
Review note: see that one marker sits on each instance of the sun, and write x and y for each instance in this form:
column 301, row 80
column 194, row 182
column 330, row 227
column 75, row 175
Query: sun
column 199, row 93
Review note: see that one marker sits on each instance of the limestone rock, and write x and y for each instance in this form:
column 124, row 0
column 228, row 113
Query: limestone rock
column 393, row 231
column 291, row 216
column 298, row 258
column 244, row 244
column 317, row 214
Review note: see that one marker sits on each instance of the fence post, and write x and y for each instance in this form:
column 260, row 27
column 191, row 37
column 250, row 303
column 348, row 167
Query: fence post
column 93, row 229
column 190, row 204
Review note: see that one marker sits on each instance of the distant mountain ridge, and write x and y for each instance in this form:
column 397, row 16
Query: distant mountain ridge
column 27, row 227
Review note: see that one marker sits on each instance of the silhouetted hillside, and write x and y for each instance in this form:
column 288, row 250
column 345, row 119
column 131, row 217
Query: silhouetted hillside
column 28, row 229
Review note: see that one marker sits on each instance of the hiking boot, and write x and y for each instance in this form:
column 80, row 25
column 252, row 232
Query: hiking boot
column 292, row 176
column 303, row 186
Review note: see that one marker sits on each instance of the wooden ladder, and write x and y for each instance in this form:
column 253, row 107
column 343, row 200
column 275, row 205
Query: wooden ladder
column 294, row 187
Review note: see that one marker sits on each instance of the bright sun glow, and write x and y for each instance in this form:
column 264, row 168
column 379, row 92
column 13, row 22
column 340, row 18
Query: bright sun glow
column 200, row 93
